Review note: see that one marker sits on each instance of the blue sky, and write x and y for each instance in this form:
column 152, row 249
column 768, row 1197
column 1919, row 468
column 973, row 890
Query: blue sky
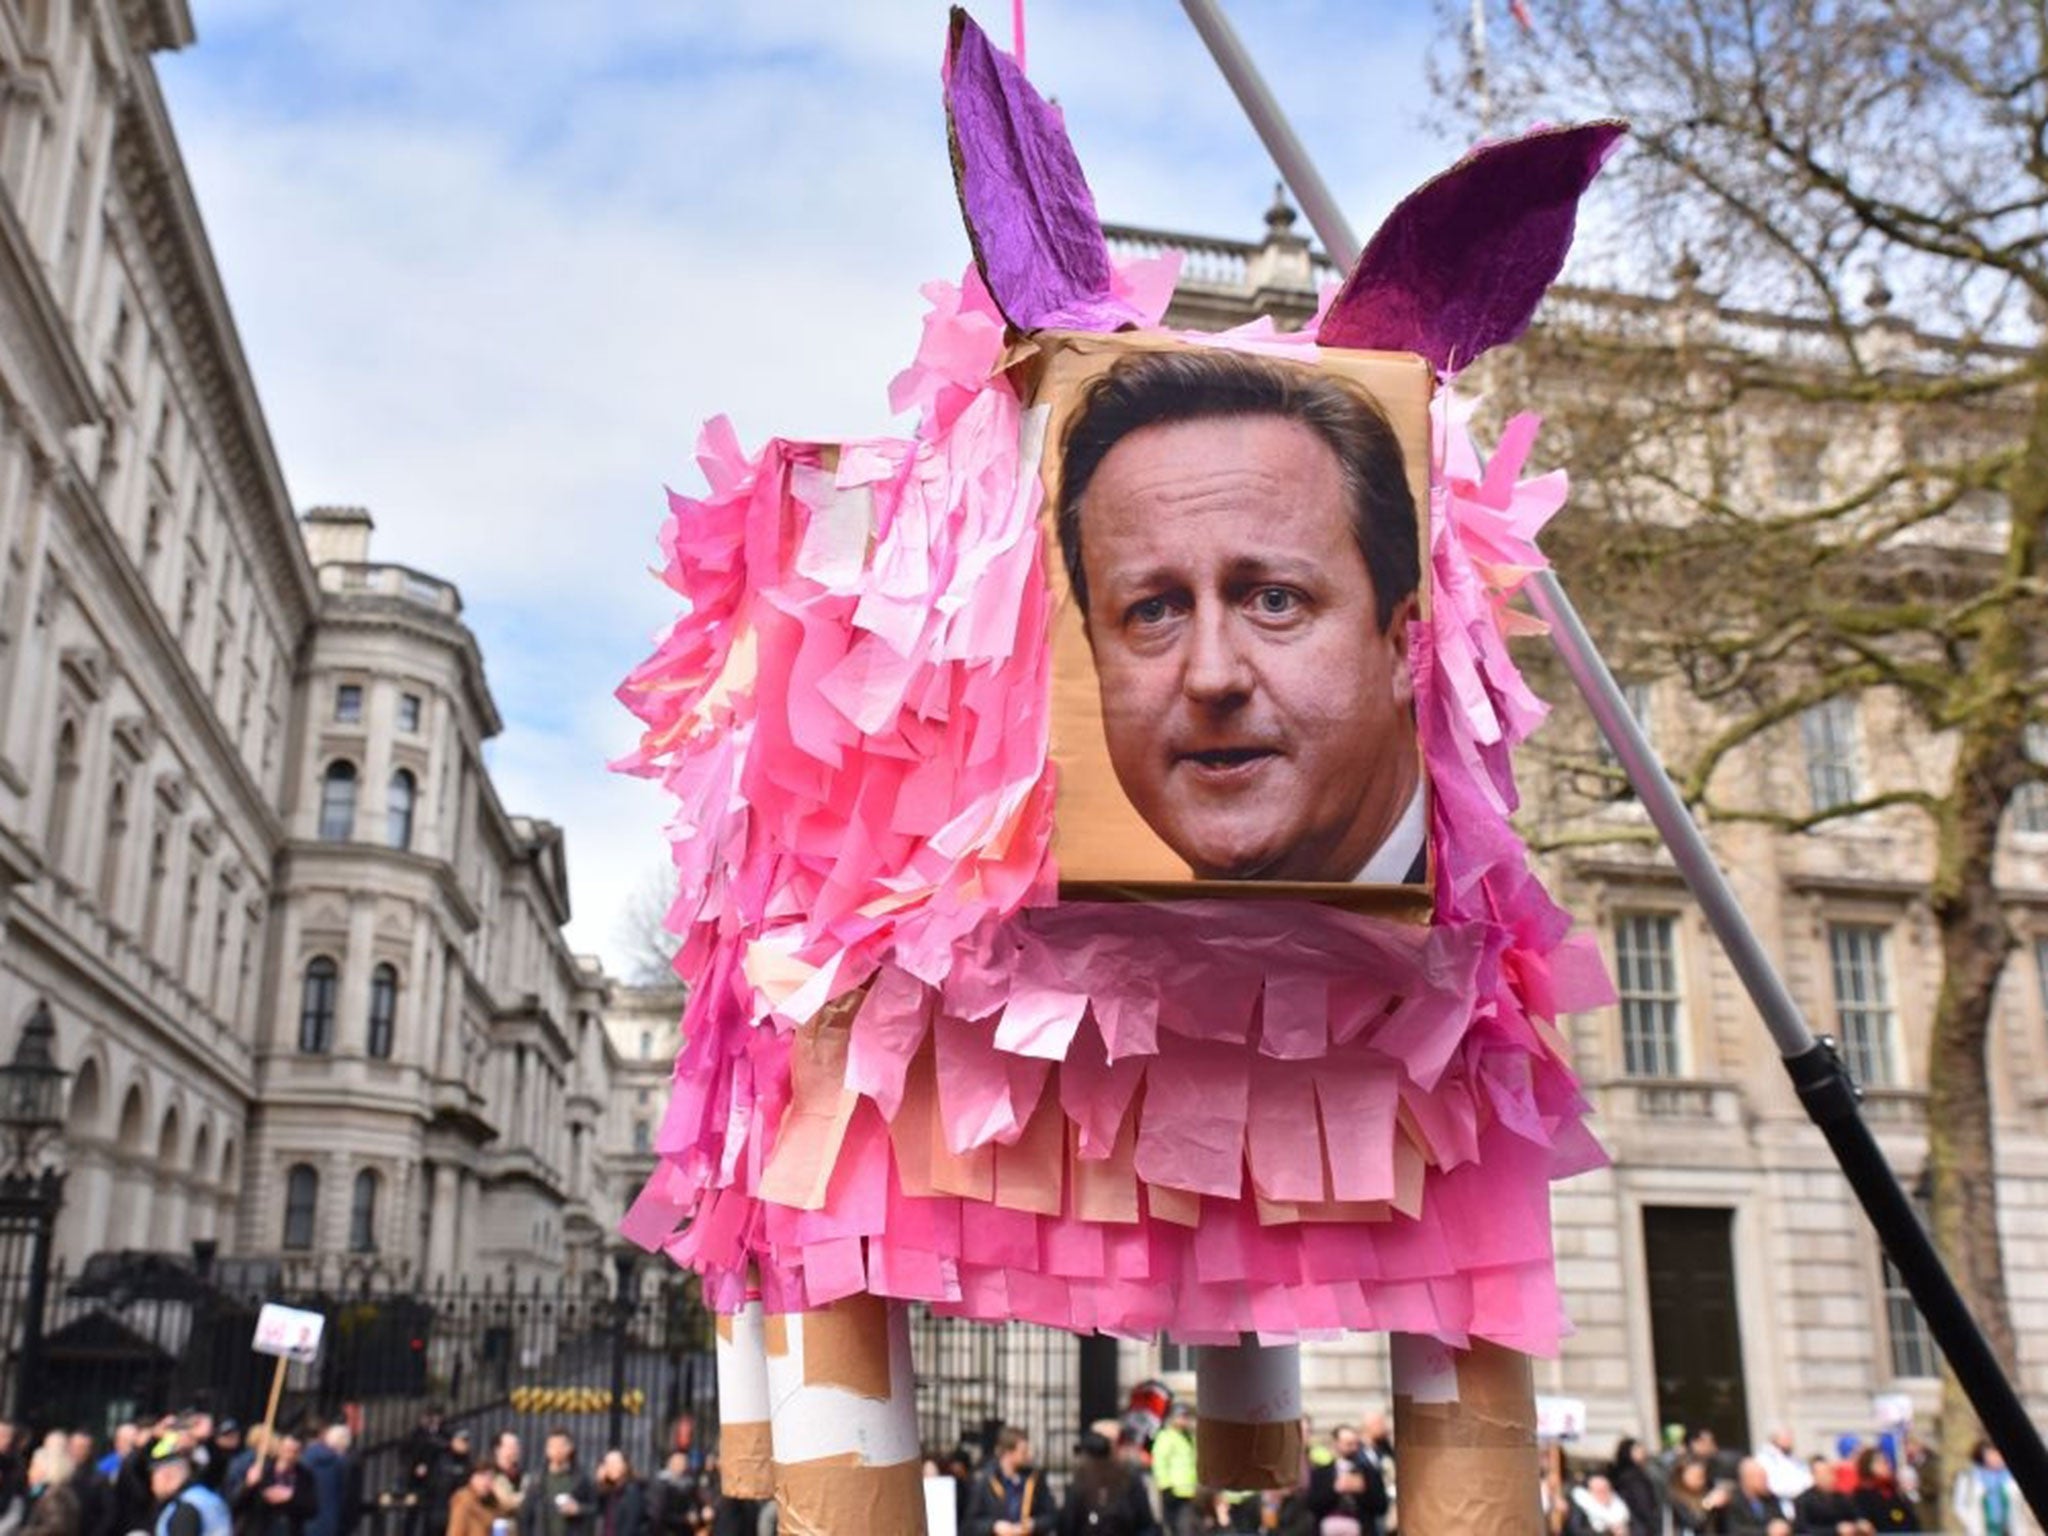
column 493, row 265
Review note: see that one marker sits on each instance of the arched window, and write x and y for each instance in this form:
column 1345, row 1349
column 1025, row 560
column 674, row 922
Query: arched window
column 301, row 1200
column 362, row 1214
column 398, row 808
column 338, row 802
column 159, row 871
column 383, row 1009
column 62, row 793
column 316, row 1006
column 116, row 844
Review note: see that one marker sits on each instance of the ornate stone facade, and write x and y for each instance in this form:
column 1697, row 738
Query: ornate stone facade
column 308, row 972
column 1721, row 1268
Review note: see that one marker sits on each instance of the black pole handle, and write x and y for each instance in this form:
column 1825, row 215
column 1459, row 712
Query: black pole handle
column 1831, row 1101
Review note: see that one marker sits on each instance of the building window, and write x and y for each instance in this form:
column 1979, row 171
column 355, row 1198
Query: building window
column 1646, row 974
column 338, row 802
column 398, row 808
column 383, row 1010
column 116, row 844
column 2030, row 801
column 1636, row 695
column 301, row 1197
column 646, row 1044
column 1795, row 466
column 1912, row 1346
column 408, row 712
column 348, row 704
column 1828, row 731
column 362, row 1214
column 1863, row 1001
column 63, row 793
column 316, row 1007
column 643, row 1136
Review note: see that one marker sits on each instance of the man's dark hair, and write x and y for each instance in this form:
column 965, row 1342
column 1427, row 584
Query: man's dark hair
column 1146, row 389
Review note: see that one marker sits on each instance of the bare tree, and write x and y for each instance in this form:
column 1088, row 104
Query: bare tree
column 645, row 943
column 1878, row 170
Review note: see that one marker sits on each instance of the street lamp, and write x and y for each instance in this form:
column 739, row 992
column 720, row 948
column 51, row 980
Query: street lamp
column 31, row 1115
column 32, row 1092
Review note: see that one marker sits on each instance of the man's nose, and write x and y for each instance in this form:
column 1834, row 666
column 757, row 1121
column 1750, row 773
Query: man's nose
column 1214, row 668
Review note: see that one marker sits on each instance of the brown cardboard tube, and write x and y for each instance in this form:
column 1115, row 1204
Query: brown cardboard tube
column 1446, row 1492
column 1469, row 1464
column 1247, row 1456
column 840, row 1496
column 746, row 1461
column 846, row 1344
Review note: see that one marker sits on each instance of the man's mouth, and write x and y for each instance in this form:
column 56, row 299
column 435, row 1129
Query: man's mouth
column 1225, row 760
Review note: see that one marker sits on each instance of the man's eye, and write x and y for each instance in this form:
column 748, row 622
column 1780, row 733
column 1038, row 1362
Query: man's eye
column 1276, row 602
column 1150, row 610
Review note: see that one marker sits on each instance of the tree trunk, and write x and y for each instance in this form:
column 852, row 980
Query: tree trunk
column 1976, row 941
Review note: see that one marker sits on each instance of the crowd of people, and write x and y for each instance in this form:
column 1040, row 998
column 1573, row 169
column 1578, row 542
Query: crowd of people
column 447, row 1487
column 1129, row 1480
column 181, row 1475
column 192, row 1475
column 1692, row 1486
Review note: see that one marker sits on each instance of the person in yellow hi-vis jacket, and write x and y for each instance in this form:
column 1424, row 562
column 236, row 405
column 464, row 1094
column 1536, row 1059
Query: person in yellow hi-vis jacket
column 1173, row 1466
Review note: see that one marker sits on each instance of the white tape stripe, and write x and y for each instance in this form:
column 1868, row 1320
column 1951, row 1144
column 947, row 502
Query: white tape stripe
column 810, row 1422
column 743, row 1369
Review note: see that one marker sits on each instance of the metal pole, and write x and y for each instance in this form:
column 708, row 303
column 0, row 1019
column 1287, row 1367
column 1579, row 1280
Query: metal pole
column 1823, row 1084
column 42, row 1194
column 622, row 1316
column 1272, row 125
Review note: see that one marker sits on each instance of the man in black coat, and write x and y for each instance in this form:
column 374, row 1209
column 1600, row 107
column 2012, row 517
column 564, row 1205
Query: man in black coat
column 1348, row 1484
column 1009, row 1496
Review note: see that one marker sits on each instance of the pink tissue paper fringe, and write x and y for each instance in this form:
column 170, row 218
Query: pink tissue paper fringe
column 852, row 713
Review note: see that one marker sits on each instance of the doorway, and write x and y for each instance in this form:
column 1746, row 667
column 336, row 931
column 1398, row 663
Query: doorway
column 1695, row 1331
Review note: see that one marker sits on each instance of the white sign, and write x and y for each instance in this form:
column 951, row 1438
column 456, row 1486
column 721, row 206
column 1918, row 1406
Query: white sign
column 1892, row 1410
column 941, row 1513
column 288, row 1332
column 1560, row 1418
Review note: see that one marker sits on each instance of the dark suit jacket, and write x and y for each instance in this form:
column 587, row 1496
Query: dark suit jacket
column 986, row 1504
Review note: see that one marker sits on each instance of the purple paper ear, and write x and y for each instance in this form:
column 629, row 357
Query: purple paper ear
column 1460, row 266
column 1030, row 216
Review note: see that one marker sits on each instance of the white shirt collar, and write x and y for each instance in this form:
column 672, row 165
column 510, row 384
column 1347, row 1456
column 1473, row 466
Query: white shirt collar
column 1396, row 856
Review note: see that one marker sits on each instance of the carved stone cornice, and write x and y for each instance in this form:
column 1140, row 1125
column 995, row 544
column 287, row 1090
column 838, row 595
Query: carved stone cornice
column 41, row 372
column 208, row 351
column 136, row 734
column 87, row 668
column 158, row 26
column 171, row 789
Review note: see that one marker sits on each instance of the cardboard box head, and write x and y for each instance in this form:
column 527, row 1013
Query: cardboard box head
column 1237, row 543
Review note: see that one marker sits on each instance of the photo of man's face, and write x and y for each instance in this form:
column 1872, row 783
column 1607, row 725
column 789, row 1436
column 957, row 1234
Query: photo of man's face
column 1240, row 540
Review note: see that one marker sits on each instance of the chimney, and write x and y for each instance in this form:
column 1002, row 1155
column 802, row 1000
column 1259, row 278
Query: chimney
column 337, row 535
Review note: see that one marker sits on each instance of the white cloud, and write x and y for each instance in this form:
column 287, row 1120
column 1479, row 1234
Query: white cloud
column 494, row 266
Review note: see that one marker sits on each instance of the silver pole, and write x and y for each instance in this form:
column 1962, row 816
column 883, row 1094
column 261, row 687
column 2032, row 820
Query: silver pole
column 1324, row 216
column 1479, row 66
column 1681, row 834
column 1581, row 657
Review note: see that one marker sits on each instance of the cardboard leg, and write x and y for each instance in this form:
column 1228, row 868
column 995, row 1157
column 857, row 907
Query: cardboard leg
column 745, row 1459
column 843, row 1420
column 1248, row 1415
column 1465, row 1439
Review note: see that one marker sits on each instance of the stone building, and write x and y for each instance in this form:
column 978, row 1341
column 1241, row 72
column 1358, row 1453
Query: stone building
column 308, row 972
column 1720, row 1270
